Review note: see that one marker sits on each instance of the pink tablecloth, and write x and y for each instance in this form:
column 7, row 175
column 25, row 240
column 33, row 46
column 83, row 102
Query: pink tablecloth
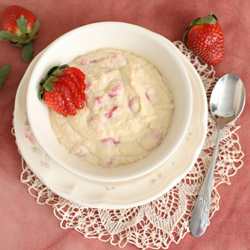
column 26, row 225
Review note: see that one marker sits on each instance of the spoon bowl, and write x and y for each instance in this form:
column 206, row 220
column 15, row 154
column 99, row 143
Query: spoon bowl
column 227, row 99
column 227, row 102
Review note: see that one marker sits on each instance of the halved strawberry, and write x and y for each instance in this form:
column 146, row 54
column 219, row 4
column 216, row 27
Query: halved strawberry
column 63, row 90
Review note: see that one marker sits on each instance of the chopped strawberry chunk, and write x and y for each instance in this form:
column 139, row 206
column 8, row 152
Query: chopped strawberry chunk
column 101, row 58
column 98, row 60
column 88, row 86
column 110, row 112
column 148, row 97
column 115, row 91
column 84, row 60
column 109, row 139
column 99, row 100
column 119, row 56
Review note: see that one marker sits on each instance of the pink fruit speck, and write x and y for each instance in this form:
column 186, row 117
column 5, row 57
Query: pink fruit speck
column 110, row 112
column 119, row 56
column 99, row 100
column 156, row 135
column 148, row 97
column 111, row 161
column 133, row 101
column 109, row 139
column 88, row 86
column 84, row 60
column 115, row 91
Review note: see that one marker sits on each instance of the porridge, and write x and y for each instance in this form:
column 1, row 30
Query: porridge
column 127, row 114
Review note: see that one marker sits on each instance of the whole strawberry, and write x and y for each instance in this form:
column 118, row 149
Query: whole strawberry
column 63, row 89
column 20, row 26
column 205, row 38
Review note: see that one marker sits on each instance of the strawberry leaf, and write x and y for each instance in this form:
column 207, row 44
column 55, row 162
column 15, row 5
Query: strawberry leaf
column 51, row 72
column 215, row 17
column 211, row 19
column 58, row 72
column 48, row 85
column 54, row 69
column 53, row 78
column 35, row 28
column 17, row 44
column 64, row 66
column 28, row 52
column 4, row 71
column 207, row 19
column 42, row 82
column 195, row 21
column 2, row 80
column 35, row 37
column 41, row 95
column 22, row 24
column 5, row 35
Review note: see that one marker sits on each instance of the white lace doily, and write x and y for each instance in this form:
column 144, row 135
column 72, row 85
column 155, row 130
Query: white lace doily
column 156, row 224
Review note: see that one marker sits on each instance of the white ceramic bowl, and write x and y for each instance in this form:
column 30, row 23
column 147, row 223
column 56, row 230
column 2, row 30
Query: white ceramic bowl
column 124, row 36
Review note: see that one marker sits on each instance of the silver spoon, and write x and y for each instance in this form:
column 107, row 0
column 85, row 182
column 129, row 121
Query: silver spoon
column 227, row 102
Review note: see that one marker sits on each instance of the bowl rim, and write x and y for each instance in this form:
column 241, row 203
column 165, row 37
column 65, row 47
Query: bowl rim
column 127, row 176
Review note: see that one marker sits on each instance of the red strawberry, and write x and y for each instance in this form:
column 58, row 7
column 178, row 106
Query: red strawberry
column 205, row 38
column 63, row 90
column 21, row 27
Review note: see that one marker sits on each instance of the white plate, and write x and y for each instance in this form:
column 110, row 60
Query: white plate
column 121, row 194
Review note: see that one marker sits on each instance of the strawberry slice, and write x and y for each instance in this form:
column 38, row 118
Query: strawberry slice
column 63, row 90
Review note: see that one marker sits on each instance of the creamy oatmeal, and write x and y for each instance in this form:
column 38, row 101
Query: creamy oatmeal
column 128, row 110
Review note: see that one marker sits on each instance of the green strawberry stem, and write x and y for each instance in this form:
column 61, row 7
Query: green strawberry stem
column 4, row 71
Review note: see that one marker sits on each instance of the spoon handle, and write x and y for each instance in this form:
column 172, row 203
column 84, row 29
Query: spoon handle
column 200, row 216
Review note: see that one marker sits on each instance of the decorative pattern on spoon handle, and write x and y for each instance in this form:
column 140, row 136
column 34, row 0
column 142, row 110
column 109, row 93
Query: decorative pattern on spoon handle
column 205, row 204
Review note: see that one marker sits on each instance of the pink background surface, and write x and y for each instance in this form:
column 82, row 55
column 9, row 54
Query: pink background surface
column 26, row 225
